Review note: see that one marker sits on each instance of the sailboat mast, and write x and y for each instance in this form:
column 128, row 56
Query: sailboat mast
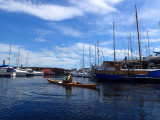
column 27, row 60
column 114, row 43
column 98, row 51
column 83, row 56
column 18, row 58
column 148, row 44
column 90, row 55
column 138, row 40
column 9, row 55
column 128, row 48
column 131, row 45
column 95, row 54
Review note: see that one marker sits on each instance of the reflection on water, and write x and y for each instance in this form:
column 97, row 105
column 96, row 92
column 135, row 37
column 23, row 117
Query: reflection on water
column 68, row 90
column 35, row 98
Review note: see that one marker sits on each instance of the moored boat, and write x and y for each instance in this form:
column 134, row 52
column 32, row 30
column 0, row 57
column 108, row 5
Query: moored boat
column 72, row 84
column 113, row 71
column 21, row 72
column 7, row 71
column 38, row 73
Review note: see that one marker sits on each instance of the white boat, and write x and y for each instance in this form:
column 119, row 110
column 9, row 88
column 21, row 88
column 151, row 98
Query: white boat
column 154, row 57
column 38, row 73
column 80, row 74
column 87, row 75
column 73, row 73
column 29, row 70
column 7, row 71
column 21, row 72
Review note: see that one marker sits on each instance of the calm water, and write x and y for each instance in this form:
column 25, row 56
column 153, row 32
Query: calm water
column 35, row 98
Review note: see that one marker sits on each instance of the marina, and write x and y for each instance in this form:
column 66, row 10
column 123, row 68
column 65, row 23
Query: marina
column 79, row 60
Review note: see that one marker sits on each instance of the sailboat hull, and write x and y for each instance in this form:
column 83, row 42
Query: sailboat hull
column 107, row 75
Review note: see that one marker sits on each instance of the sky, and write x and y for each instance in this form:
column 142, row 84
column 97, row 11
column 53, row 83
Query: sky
column 52, row 33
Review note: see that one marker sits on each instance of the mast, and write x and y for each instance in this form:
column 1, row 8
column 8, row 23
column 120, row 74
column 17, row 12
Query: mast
column 146, row 50
column 27, row 59
column 128, row 48
column 95, row 54
column 148, row 44
column 131, row 45
column 83, row 56
column 98, row 51
column 114, row 43
column 18, row 57
column 9, row 56
column 138, row 39
column 90, row 55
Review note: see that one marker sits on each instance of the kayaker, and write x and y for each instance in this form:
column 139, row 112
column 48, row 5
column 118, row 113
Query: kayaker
column 69, row 78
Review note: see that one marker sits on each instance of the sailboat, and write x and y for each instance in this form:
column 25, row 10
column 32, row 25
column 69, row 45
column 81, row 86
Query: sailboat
column 154, row 57
column 112, row 70
column 84, row 72
column 18, row 70
column 7, row 70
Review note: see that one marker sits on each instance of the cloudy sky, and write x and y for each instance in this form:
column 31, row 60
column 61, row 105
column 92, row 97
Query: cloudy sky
column 51, row 33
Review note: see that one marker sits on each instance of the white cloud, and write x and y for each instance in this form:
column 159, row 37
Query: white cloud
column 150, row 40
column 43, row 32
column 150, row 11
column 54, row 12
column 47, row 52
column 69, row 31
column 47, row 58
column 66, row 51
column 157, row 49
column 106, row 43
column 151, row 33
column 78, row 50
column 62, row 49
column 94, row 6
column 40, row 40
column 71, row 55
column 58, row 56
column 114, row 1
column 43, row 11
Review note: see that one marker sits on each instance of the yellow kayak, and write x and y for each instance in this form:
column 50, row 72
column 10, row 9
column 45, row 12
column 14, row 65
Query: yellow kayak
column 72, row 84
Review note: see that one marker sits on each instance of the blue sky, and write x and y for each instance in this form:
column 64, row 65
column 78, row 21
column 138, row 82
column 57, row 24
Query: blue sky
column 51, row 33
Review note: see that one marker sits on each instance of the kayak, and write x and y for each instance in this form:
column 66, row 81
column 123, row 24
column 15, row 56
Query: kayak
column 72, row 84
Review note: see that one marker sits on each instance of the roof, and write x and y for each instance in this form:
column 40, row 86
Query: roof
column 4, row 65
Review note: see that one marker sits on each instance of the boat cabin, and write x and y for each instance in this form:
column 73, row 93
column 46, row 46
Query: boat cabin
column 112, row 65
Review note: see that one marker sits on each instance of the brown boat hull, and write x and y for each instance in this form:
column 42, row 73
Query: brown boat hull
column 72, row 84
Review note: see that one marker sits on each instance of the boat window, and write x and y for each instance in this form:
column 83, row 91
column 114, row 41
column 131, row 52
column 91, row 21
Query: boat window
column 117, row 64
column 111, row 64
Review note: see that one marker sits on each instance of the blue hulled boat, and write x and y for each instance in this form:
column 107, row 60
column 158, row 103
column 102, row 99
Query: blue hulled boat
column 113, row 71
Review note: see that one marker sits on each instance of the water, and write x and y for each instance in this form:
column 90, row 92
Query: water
column 35, row 98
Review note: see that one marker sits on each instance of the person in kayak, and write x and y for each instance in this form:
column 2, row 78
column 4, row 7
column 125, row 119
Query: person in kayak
column 69, row 78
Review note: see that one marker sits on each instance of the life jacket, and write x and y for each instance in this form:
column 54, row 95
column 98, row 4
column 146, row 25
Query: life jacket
column 69, row 77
